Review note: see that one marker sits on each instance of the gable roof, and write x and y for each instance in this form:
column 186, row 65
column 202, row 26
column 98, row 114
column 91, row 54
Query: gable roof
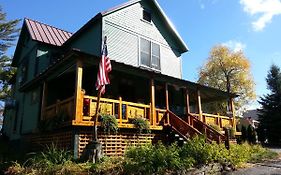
column 40, row 32
column 46, row 33
column 166, row 20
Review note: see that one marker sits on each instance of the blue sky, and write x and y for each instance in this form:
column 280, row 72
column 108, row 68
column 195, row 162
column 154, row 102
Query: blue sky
column 251, row 25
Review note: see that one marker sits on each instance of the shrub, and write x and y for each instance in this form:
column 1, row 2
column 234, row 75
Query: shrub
column 109, row 123
column 198, row 149
column 108, row 165
column 158, row 159
column 142, row 125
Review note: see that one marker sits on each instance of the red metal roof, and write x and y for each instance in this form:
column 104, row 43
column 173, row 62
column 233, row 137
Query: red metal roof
column 46, row 33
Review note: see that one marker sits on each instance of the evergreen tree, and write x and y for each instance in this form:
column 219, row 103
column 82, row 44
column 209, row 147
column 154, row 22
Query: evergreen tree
column 270, row 113
column 8, row 34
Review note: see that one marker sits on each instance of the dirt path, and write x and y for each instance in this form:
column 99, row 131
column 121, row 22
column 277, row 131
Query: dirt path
column 272, row 167
column 266, row 168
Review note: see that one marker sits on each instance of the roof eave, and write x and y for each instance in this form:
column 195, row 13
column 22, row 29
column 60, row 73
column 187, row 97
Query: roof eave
column 172, row 27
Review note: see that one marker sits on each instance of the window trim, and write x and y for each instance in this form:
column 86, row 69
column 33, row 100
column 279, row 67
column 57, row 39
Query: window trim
column 145, row 66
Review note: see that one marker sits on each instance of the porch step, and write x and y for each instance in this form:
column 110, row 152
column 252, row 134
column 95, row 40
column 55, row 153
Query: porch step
column 183, row 130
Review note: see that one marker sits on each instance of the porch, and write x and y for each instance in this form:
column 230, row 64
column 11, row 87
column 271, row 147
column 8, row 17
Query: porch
column 133, row 92
column 124, row 112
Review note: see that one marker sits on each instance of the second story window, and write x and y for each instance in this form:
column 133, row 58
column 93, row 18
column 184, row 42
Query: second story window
column 146, row 15
column 149, row 54
column 24, row 72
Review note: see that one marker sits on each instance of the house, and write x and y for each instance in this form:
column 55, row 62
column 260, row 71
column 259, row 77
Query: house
column 54, row 97
column 250, row 117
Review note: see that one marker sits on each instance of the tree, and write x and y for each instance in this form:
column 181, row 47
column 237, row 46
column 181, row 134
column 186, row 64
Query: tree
column 8, row 34
column 228, row 71
column 270, row 112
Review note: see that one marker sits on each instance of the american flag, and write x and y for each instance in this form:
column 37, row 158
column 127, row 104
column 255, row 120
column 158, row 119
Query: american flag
column 104, row 69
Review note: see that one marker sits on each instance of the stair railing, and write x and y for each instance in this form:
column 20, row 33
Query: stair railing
column 211, row 133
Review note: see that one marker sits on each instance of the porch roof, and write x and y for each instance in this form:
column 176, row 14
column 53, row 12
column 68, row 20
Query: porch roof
column 207, row 93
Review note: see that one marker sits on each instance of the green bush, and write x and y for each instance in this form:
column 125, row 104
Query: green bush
column 109, row 123
column 142, row 125
column 108, row 165
column 157, row 159
column 146, row 159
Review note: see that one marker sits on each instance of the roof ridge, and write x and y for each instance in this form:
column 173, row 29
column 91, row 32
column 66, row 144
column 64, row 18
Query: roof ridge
column 25, row 18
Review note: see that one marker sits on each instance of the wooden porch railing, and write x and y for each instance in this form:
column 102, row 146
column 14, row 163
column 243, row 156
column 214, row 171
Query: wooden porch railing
column 211, row 119
column 180, row 126
column 64, row 108
column 124, row 111
column 204, row 128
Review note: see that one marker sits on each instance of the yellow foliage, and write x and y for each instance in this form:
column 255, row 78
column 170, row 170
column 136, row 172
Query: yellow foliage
column 224, row 65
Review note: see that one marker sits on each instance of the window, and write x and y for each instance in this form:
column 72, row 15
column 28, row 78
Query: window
column 146, row 15
column 34, row 96
column 24, row 72
column 149, row 54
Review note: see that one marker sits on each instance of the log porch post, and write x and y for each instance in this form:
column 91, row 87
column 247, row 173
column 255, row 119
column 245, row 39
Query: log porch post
column 43, row 101
column 167, row 101
column 78, row 97
column 187, row 101
column 233, row 114
column 152, row 99
column 120, row 110
column 187, row 104
column 199, row 105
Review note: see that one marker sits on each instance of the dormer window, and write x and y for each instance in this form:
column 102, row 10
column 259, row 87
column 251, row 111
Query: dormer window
column 146, row 15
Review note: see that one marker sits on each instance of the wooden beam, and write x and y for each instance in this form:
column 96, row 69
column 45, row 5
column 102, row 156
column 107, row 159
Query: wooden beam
column 120, row 110
column 167, row 101
column 78, row 91
column 167, row 96
column 199, row 107
column 233, row 114
column 187, row 101
column 43, row 100
column 152, row 100
column 187, row 105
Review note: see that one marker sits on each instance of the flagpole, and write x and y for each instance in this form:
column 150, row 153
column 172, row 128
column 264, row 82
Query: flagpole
column 95, row 129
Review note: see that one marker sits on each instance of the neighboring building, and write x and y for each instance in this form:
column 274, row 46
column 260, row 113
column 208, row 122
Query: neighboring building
column 54, row 87
column 250, row 117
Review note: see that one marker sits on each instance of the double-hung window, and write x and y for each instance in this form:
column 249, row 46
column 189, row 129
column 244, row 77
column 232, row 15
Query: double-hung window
column 149, row 54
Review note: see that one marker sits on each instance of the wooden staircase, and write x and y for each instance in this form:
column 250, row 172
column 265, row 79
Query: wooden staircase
column 190, row 126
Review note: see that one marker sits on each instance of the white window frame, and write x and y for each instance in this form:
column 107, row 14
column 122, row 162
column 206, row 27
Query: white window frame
column 140, row 62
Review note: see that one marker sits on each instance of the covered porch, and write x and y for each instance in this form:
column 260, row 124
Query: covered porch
column 69, row 93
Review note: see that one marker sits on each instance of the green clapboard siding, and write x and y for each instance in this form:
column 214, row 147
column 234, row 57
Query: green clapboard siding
column 90, row 41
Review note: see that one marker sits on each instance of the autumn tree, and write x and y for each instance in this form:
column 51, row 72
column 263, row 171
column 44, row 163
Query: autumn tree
column 228, row 71
column 270, row 112
column 8, row 34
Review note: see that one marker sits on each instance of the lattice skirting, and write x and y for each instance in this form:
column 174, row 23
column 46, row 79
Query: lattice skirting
column 112, row 145
column 61, row 139
column 116, row 144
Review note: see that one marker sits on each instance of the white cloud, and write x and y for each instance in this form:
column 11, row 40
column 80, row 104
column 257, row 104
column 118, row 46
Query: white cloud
column 265, row 9
column 235, row 45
